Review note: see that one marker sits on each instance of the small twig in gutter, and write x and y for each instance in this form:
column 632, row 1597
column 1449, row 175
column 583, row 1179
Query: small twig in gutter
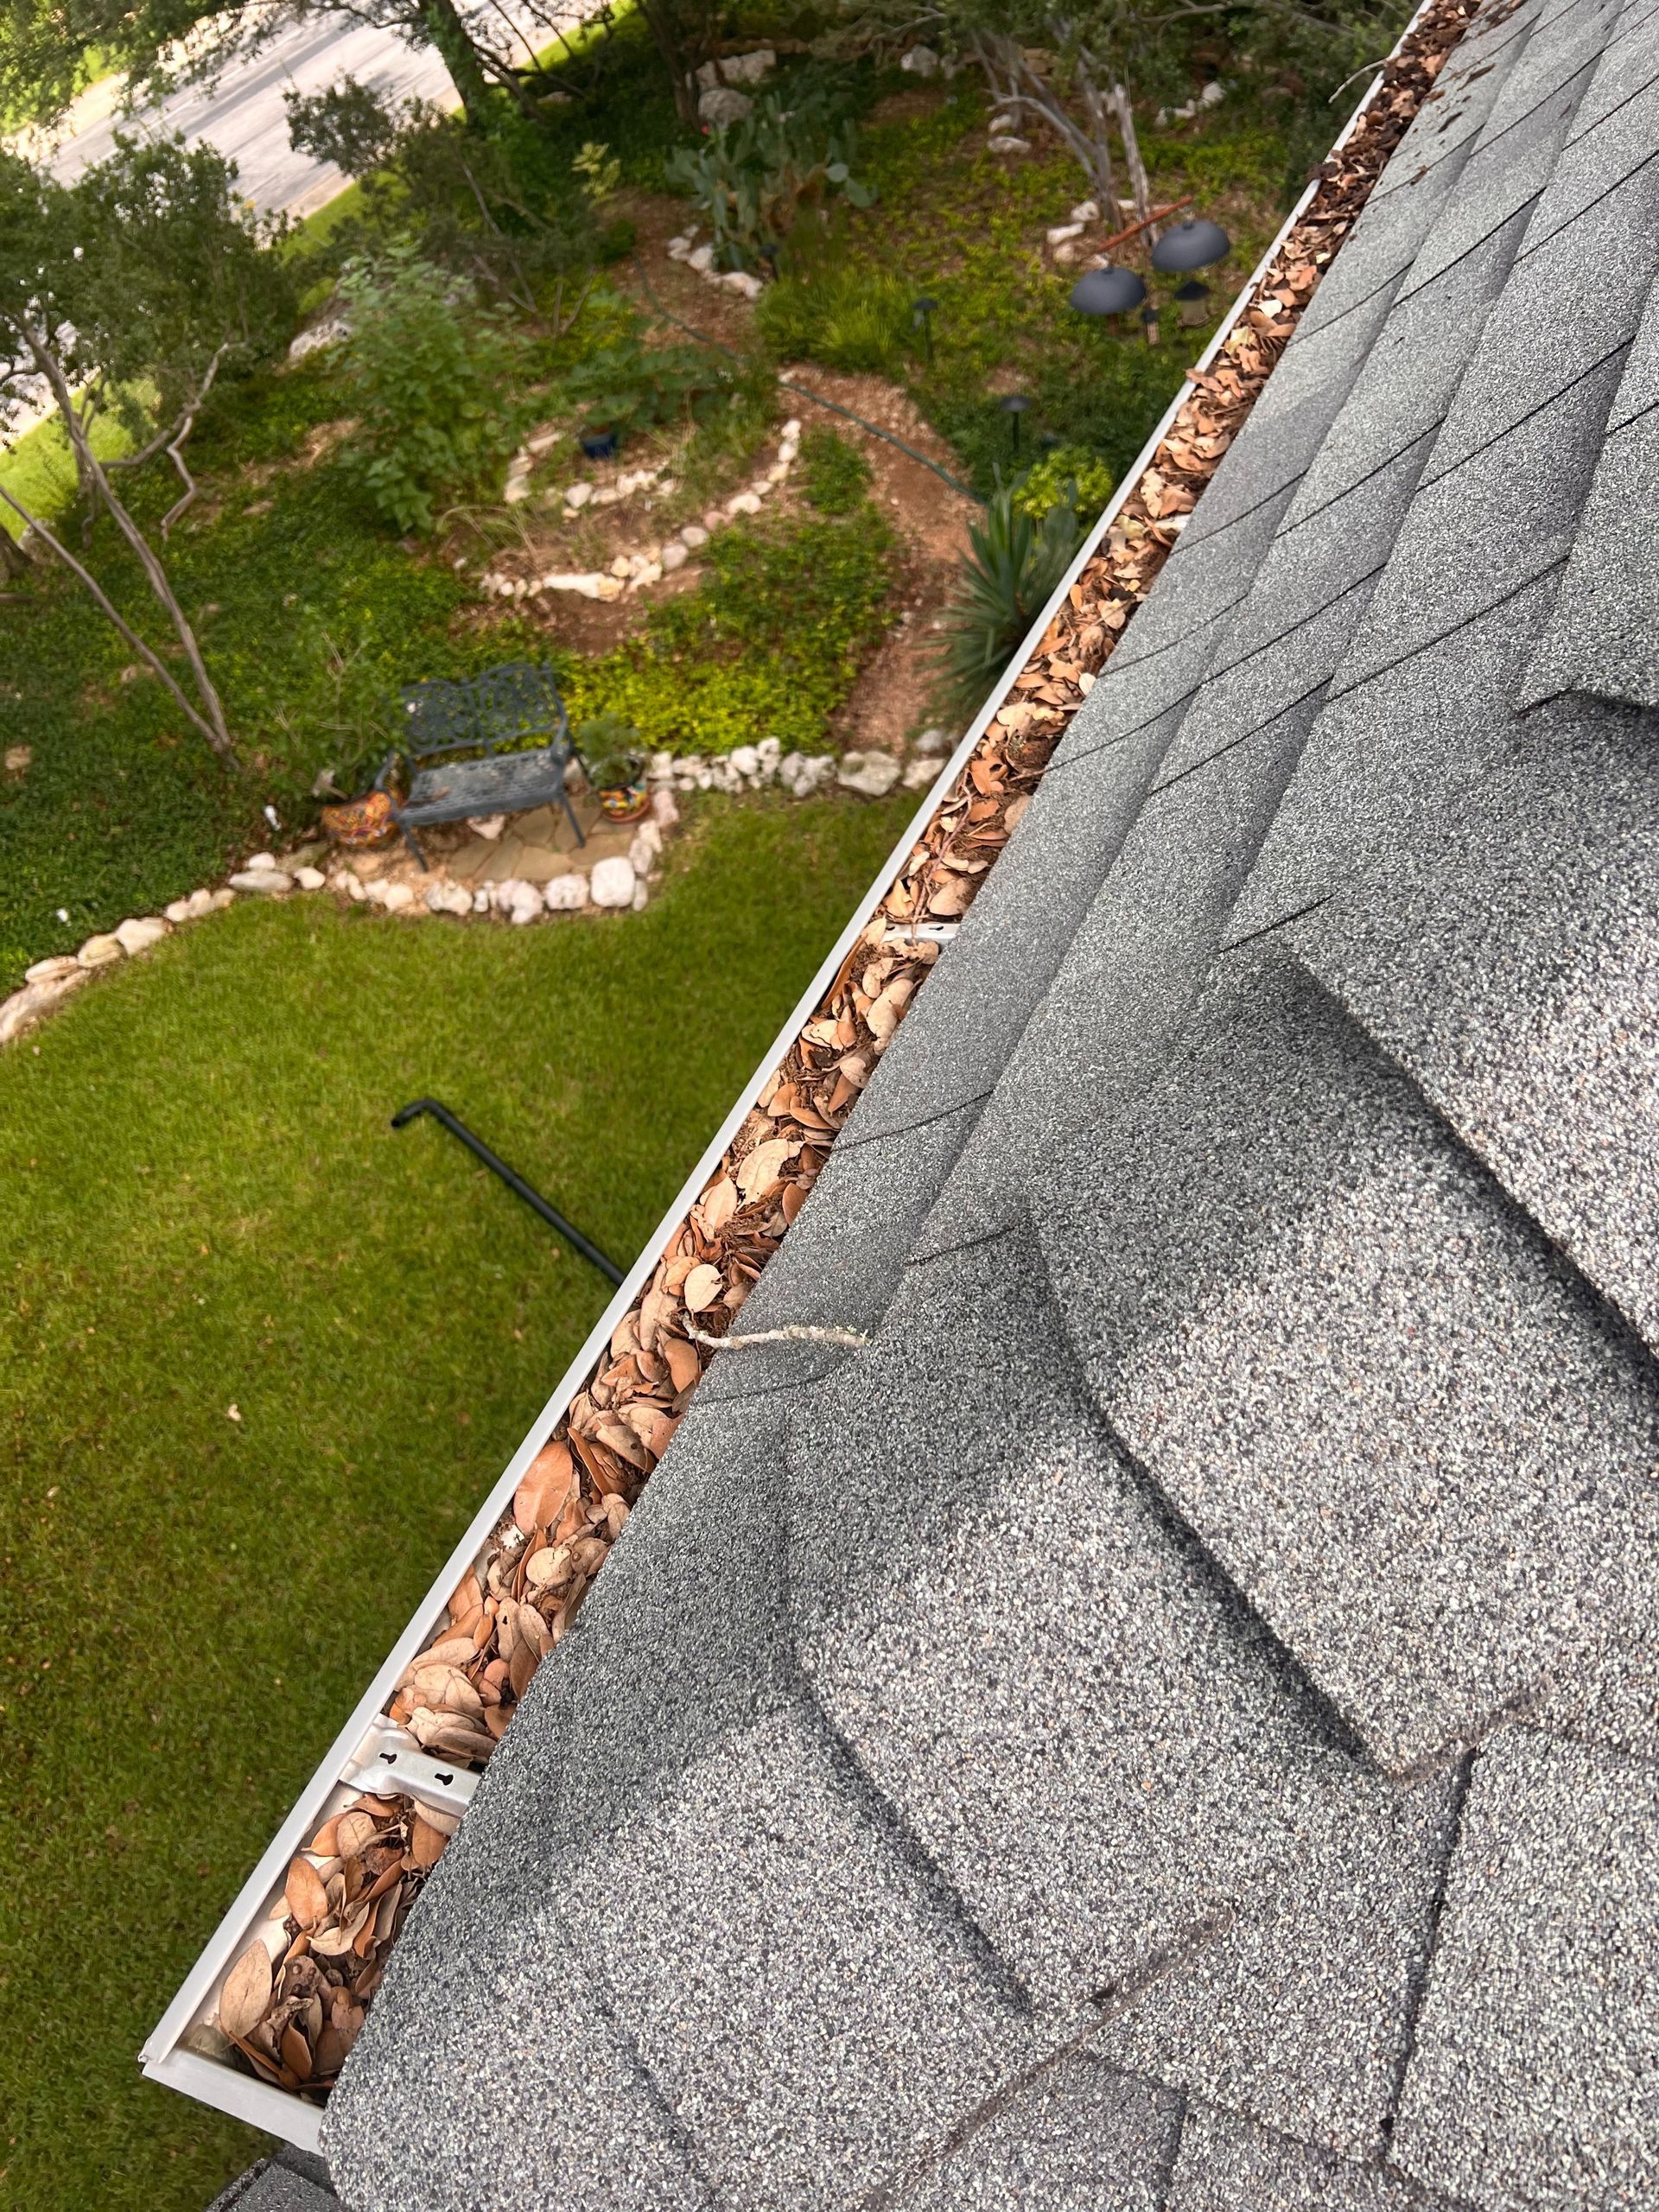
column 794, row 1332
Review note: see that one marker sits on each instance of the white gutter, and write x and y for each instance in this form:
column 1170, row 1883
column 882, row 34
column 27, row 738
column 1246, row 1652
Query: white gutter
column 164, row 2057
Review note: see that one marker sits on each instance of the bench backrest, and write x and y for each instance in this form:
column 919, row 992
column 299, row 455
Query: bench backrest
column 502, row 706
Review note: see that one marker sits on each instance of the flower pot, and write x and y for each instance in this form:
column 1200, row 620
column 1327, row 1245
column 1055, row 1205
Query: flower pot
column 598, row 445
column 625, row 802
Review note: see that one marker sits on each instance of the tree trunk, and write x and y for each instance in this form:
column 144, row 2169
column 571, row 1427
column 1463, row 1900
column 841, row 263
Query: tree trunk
column 15, row 563
column 211, row 720
column 681, row 54
column 445, row 31
column 1124, row 111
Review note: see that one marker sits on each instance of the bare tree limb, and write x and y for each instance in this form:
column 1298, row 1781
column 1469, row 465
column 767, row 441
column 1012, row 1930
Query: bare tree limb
column 213, row 725
column 131, row 635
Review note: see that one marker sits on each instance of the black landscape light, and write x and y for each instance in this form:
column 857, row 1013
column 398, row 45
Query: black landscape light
column 921, row 318
column 769, row 254
column 1108, row 291
column 1190, row 245
column 1149, row 322
column 1190, row 299
column 1013, row 406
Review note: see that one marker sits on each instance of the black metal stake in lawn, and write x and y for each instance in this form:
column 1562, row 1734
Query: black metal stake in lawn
column 1013, row 406
column 514, row 1181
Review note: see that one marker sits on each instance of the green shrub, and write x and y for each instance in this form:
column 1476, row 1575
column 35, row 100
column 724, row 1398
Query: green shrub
column 852, row 319
column 768, row 646
column 629, row 386
column 834, row 474
column 1069, row 475
column 431, row 372
column 1005, row 581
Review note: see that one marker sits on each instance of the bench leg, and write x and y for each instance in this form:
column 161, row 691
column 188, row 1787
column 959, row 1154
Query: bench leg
column 410, row 840
column 570, row 812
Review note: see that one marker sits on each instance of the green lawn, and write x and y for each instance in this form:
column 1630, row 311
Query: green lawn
column 205, row 1207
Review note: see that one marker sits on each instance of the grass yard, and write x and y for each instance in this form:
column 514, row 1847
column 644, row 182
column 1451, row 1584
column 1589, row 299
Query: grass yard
column 205, row 1207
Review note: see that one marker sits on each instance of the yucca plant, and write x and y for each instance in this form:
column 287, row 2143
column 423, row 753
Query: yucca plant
column 1004, row 581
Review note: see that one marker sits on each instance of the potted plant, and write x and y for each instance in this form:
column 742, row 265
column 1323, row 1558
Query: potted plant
column 616, row 768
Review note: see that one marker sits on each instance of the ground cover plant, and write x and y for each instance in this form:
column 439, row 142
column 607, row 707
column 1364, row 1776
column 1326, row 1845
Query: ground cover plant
column 255, row 1335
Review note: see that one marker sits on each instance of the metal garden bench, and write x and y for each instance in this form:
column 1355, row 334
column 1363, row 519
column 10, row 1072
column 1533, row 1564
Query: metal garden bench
column 448, row 719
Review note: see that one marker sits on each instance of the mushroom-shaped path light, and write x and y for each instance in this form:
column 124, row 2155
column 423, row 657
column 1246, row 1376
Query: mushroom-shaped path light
column 1108, row 291
column 1190, row 245
column 1016, row 404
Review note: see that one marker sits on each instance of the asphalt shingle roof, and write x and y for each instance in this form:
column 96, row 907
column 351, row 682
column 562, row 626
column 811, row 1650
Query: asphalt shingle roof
column 1172, row 1722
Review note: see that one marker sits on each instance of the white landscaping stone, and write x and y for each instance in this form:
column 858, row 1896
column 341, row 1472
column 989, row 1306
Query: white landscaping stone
column 744, row 504
column 1005, row 143
column 664, row 808
column 1062, row 233
column 219, row 900
column 527, row 907
column 578, row 495
column 565, row 894
column 872, row 775
column 197, row 904
column 749, row 68
column 177, row 910
column 703, row 260
column 487, row 825
column 309, row 878
column 934, row 742
column 518, row 491
column 1213, row 93
column 328, row 333
column 261, row 883
column 52, row 971
column 449, row 898
column 717, row 107
column 661, row 767
column 622, row 567
column 394, row 896
column 921, row 61
column 639, row 897
column 739, row 281
column 1086, row 210
column 919, row 773
column 777, row 472
column 261, row 859
column 792, row 428
column 480, row 902
column 26, row 1006
column 694, row 535
column 677, row 248
column 139, row 934
column 673, row 556
column 612, row 883
column 746, row 759
column 544, row 441
column 100, row 951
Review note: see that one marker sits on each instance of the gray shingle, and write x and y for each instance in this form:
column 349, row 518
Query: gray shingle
column 1388, row 764
column 1532, row 2081
column 1513, row 968
column 1079, row 2138
column 1299, row 2015
column 1129, row 978
column 291, row 2182
column 489, row 2079
column 952, row 1046
column 813, row 2013
column 843, row 1255
column 1603, row 636
column 1083, row 1729
column 1613, row 153
column 1227, row 2165
column 1399, row 1421
column 1518, row 146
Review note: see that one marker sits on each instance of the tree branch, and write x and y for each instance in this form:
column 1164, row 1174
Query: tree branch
column 34, row 523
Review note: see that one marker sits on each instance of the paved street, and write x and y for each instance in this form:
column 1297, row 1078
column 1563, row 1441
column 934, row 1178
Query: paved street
column 243, row 116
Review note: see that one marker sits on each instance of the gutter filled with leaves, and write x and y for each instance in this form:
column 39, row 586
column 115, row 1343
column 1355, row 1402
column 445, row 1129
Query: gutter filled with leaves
column 268, row 2015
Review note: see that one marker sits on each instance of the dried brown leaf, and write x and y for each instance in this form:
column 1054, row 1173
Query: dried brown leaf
column 306, row 1898
column 246, row 1993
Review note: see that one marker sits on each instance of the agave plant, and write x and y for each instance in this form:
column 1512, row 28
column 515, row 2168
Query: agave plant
column 1005, row 579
